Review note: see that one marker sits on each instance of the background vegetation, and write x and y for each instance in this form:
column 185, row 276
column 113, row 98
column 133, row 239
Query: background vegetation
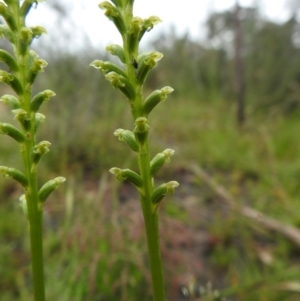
column 94, row 245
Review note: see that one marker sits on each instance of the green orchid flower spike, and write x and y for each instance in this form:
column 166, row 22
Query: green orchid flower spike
column 129, row 79
column 23, row 66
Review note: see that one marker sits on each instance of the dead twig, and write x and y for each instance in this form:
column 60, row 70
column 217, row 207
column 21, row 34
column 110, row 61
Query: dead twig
column 288, row 231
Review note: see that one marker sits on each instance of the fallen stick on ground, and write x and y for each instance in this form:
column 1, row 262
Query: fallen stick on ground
column 288, row 231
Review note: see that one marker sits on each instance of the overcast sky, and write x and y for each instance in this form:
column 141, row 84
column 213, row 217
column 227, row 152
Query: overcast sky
column 186, row 15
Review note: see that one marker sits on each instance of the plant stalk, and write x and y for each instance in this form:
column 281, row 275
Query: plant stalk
column 36, row 235
column 151, row 225
column 35, row 218
column 35, row 213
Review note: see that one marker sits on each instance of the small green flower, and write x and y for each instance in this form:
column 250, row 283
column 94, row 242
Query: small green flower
column 8, row 17
column 37, row 31
column 9, row 60
column 6, row 33
column 127, row 174
column 106, row 67
column 159, row 160
column 120, row 82
column 141, row 129
column 15, row 174
column 128, row 137
column 25, row 39
column 10, row 100
column 155, row 98
column 163, row 190
column 23, row 117
column 49, row 187
column 39, row 150
column 39, row 98
column 23, row 205
column 114, row 15
column 136, row 26
column 10, row 130
column 36, row 67
column 39, row 119
column 150, row 22
column 148, row 62
column 12, row 81
column 118, row 51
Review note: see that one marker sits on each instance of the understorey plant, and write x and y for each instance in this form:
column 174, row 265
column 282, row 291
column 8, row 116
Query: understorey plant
column 129, row 77
column 22, row 67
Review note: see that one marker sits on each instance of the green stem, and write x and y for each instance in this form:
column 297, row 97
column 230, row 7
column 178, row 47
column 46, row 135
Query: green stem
column 35, row 217
column 35, row 214
column 149, row 211
column 151, row 224
column 36, row 235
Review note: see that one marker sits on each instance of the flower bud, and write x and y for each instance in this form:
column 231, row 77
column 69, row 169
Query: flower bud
column 49, row 187
column 114, row 15
column 11, row 81
column 159, row 160
column 39, row 119
column 25, row 39
column 8, row 17
column 121, row 83
column 163, row 190
column 127, row 174
column 118, row 51
column 23, row 117
column 6, row 33
column 106, row 67
column 23, row 205
column 128, row 137
column 141, row 129
column 9, row 60
column 155, row 98
column 39, row 98
column 149, row 24
column 146, row 64
column 134, row 30
column 37, row 31
column 6, row 77
column 39, row 150
column 13, row 132
column 10, row 172
column 37, row 66
column 151, row 21
column 10, row 100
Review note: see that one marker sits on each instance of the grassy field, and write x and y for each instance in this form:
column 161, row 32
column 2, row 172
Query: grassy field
column 94, row 246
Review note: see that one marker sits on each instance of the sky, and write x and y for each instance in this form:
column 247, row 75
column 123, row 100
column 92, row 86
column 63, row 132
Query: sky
column 89, row 23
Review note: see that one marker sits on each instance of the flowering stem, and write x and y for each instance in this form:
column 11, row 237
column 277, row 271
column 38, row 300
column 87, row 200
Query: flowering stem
column 24, row 66
column 130, row 80
column 35, row 214
column 35, row 219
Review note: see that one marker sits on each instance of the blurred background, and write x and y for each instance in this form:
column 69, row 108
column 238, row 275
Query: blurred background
column 230, row 232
